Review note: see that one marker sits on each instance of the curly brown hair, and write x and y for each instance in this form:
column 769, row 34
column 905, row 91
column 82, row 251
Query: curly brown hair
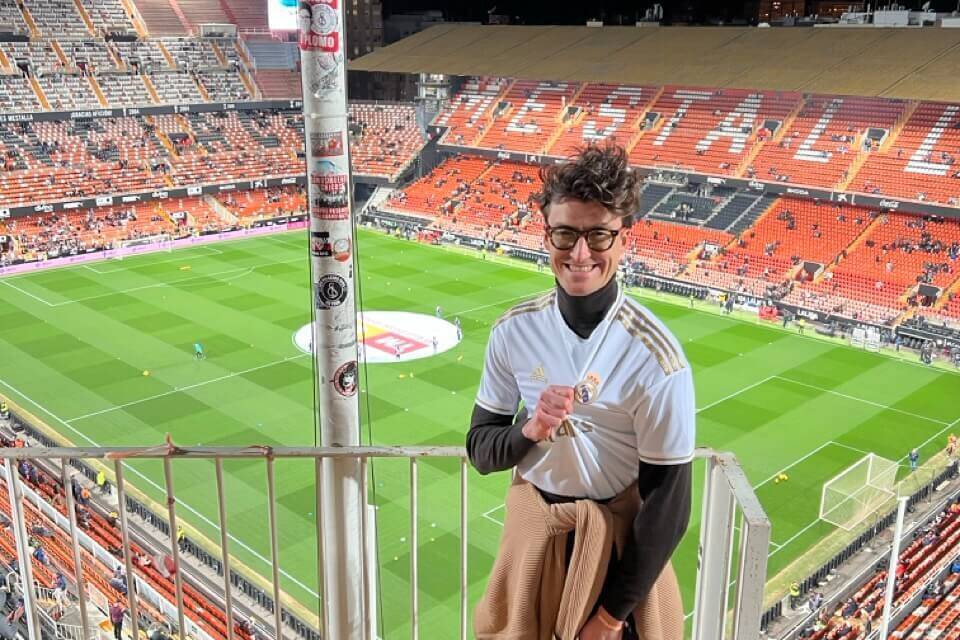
column 595, row 173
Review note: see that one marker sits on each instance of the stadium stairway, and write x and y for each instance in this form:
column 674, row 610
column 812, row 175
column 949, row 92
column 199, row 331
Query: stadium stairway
column 84, row 16
column 752, row 214
column 38, row 90
column 731, row 211
column 139, row 24
column 28, row 18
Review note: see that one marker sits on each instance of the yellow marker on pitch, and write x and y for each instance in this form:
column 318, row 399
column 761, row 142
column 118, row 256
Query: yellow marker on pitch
column 145, row 372
column 186, row 267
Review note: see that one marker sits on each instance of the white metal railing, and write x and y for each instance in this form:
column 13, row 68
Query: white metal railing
column 726, row 491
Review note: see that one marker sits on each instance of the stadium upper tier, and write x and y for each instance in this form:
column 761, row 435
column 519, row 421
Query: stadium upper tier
column 893, row 147
column 48, row 161
column 834, row 258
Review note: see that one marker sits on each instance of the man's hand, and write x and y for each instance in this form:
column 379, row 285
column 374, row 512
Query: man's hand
column 602, row 626
column 553, row 407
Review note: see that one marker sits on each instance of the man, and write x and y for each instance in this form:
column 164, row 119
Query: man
column 435, row 343
column 914, row 459
column 439, row 312
column 794, row 594
column 102, row 482
column 456, row 322
column 607, row 423
column 198, row 351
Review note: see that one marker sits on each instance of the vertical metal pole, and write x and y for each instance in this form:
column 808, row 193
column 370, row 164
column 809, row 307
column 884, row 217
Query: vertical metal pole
column 174, row 544
column 365, row 546
column 892, row 568
column 75, row 547
column 716, row 540
column 751, row 578
column 463, row 548
column 20, row 538
column 414, row 554
column 322, row 55
column 274, row 549
column 125, row 541
column 224, row 539
column 321, row 582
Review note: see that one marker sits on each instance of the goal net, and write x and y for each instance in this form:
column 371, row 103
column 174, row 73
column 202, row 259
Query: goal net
column 855, row 493
column 159, row 242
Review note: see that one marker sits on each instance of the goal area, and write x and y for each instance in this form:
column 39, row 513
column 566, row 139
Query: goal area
column 858, row 491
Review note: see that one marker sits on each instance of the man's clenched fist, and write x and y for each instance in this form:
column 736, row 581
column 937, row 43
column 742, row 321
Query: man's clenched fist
column 553, row 407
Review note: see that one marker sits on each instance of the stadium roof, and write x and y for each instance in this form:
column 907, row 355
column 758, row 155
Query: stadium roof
column 893, row 63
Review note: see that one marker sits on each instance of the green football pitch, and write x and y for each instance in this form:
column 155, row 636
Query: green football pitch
column 74, row 343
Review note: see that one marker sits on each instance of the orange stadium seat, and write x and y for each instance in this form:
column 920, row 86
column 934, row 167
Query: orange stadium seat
column 919, row 163
column 709, row 130
column 533, row 113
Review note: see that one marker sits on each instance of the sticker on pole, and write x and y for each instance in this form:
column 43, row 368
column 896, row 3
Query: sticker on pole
column 345, row 379
column 320, row 25
column 330, row 291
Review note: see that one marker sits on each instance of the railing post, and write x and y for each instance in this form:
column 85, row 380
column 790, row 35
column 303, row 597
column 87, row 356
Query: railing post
column 20, row 538
column 714, row 553
column 754, row 553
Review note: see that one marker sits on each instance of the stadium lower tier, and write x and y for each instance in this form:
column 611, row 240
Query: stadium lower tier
column 837, row 259
column 921, row 561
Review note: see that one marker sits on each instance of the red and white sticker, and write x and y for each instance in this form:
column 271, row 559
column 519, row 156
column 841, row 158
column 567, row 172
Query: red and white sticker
column 320, row 25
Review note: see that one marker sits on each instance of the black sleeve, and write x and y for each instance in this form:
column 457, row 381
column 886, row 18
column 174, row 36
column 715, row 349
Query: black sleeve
column 657, row 530
column 495, row 441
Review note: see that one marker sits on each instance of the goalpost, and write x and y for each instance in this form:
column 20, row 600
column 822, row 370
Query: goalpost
column 851, row 496
column 160, row 242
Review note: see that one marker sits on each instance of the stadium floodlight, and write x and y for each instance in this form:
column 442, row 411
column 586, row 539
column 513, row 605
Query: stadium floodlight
column 859, row 490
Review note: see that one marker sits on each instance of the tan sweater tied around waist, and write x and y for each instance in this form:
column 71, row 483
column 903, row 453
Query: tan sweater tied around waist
column 533, row 595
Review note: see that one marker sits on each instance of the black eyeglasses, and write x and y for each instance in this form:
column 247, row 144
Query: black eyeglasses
column 598, row 239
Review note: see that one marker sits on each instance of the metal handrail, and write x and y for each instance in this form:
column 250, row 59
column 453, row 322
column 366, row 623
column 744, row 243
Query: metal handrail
column 727, row 490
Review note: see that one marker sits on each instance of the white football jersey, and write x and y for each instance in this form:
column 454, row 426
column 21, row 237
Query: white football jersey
column 634, row 394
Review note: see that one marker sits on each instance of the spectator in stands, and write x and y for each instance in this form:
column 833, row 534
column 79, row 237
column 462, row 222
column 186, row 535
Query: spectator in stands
column 117, row 612
column 587, row 204
column 849, row 608
column 119, row 580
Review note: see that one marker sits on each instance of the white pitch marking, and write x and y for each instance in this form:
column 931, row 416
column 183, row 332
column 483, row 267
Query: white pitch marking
column 159, row 488
column 186, row 388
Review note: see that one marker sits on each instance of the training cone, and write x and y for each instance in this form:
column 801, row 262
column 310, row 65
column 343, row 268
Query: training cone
column 146, row 373
column 776, row 481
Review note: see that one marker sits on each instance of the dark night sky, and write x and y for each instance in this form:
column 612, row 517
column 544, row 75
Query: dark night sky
column 566, row 12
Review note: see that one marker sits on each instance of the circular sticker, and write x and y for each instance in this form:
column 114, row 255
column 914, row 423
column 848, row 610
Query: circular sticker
column 324, row 19
column 341, row 249
column 345, row 379
column 331, row 291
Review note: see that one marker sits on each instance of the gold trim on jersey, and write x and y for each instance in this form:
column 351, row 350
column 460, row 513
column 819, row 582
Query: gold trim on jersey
column 537, row 304
column 652, row 336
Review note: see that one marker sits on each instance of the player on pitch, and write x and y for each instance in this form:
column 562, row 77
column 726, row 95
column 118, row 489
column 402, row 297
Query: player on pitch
column 590, row 397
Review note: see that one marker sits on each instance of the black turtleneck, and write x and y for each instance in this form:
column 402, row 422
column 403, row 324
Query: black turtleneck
column 495, row 442
column 583, row 313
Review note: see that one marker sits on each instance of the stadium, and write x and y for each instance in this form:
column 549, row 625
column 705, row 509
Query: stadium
column 165, row 412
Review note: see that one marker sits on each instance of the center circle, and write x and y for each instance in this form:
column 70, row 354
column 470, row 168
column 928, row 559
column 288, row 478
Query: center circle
column 394, row 336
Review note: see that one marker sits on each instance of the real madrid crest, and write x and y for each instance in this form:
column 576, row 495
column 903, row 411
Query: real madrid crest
column 587, row 390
